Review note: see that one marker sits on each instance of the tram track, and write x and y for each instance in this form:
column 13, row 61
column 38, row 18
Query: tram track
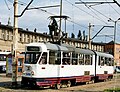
column 95, row 87
column 99, row 86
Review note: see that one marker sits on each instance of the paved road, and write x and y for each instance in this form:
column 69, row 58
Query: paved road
column 6, row 85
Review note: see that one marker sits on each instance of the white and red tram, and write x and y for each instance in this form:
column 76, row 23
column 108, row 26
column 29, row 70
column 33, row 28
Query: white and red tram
column 48, row 64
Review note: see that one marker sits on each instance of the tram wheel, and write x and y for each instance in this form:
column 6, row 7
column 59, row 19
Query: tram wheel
column 69, row 84
column 58, row 86
column 93, row 81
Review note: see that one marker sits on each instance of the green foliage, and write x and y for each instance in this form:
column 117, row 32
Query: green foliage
column 112, row 90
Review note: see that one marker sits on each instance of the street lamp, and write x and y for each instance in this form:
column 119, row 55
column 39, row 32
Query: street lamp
column 115, row 24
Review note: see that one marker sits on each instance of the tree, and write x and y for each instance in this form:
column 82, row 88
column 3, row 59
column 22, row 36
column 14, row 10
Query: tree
column 72, row 35
column 79, row 35
column 83, row 35
column 86, row 38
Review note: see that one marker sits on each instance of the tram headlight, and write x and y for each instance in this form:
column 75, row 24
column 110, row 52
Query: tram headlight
column 23, row 73
column 32, row 73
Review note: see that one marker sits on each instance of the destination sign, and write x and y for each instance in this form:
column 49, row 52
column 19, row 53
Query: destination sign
column 33, row 48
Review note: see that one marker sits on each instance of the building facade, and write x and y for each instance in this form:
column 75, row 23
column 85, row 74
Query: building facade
column 109, row 47
column 26, row 36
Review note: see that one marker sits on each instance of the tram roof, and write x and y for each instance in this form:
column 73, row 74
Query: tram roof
column 51, row 46
column 69, row 47
column 104, row 54
column 5, row 53
column 84, row 51
column 78, row 50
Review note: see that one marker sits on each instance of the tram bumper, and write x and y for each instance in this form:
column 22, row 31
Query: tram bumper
column 3, row 68
column 32, row 82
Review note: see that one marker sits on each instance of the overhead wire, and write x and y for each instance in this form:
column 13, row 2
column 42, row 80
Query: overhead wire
column 85, row 11
column 113, row 8
column 100, row 13
column 22, row 3
column 54, row 15
column 116, row 12
column 77, row 24
column 90, row 8
column 6, row 4
column 96, row 11
column 10, row 1
column 73, row 16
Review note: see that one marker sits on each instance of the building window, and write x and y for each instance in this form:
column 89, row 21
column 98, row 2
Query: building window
column 7, row 36
column 24, row 37
column 3, row 34
column 20, row 37
column 35, row 39
column 28, row 38
column 88, row 59
column 10, row 36
column 31, row 38
column 81, row 59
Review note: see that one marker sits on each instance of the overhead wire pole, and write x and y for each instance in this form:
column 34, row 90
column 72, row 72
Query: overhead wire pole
column 93, row 2
column 43, row 7
column 15, row 45
column 116, row 3
column 15, row 42
column 100, row 31
column 90, row 39
column 60, row 21
column 90, row 29
column 115, row 24
column 115, row 40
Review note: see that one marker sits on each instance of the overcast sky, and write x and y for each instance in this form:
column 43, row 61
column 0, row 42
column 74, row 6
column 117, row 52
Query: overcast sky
column 80, row 15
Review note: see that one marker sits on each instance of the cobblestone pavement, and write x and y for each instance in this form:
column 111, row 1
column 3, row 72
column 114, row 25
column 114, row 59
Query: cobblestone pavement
column 6, row 85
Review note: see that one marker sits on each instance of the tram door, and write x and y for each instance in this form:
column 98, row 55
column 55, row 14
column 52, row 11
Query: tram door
column 20, row 63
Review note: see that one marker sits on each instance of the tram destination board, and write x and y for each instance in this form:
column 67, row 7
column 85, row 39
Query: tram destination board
column 33, row 48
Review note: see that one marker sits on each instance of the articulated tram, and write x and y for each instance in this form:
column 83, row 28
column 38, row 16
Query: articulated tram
column 54, row 65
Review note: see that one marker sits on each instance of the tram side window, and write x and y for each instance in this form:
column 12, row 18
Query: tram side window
column 88, row 60
column 32, row 58
column 2, row 58
column 101, row 61
column 74, row 58
column 81, row 59
column 51, row 57
column 55, row 57
column 66, row 59
column 58, row 58
column 112, row 62
column 108, row 61
column 43, row 59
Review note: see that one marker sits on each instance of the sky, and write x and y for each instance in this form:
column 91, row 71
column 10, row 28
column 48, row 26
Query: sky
column 80, row 15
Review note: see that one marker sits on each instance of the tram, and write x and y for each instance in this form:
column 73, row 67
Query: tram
column 54, row 65
column 3, row 58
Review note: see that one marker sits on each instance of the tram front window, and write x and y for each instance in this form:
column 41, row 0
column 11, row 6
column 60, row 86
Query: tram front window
column 2, row 58
column 32, row 58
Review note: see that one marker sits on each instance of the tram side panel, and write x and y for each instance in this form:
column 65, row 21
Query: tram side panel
column 104, row 70
column 41, row 75
column 79, row 73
